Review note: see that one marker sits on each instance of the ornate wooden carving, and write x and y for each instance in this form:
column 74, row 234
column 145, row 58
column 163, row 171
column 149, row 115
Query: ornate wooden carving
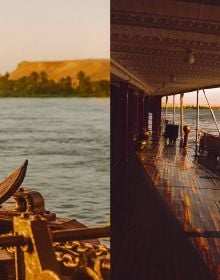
column 10, row 185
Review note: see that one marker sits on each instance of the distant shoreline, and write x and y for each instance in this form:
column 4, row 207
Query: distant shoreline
column 47, row 97
column 39, row 85
column 192, row 107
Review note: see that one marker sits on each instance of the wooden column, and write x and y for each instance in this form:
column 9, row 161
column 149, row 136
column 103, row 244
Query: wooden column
column 114, row 124
column 123, row 132
column 135, row 113
column 146, row 112
column 141, row 113
column 156, row 117
column 197, row 121
column 166, row 107
column 197, row 117
column 131, row 119
column 174, row 109
column 181, row 116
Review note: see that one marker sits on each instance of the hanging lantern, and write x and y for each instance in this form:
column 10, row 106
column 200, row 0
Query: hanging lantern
column 189, row 57
column 172, row 77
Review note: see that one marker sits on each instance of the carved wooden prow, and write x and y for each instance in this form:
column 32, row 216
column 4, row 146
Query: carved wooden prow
column 11, row 184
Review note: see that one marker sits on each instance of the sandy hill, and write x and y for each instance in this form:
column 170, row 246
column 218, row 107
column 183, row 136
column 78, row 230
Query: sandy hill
column 97, row 69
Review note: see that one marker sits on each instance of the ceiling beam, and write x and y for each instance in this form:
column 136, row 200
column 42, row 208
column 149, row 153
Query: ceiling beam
column 162, row 52
column 122, row 73
column 179, row 66
column 179, row 80
column 167, row 42
column 191, row 89
column 166, row 70
column 165, row 22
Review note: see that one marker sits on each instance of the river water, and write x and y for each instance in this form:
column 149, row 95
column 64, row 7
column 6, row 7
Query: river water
column 206, row 122
column 67, row 144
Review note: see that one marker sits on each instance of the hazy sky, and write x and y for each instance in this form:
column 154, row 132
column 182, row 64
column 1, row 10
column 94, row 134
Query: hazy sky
column 213, row 96
column 36, row 30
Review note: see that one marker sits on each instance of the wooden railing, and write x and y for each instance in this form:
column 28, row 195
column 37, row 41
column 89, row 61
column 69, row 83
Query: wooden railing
column 209, row 149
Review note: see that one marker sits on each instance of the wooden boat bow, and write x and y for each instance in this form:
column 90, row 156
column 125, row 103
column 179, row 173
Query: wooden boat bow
column 44, row 244
column 11, row 184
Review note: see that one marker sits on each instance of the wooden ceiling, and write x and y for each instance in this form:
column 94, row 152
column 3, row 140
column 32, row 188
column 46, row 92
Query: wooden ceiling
column 152, row 40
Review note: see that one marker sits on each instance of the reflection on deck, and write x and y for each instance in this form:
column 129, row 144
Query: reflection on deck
column 192, row 194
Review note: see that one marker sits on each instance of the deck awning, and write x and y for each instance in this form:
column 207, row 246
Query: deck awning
column 168, row 46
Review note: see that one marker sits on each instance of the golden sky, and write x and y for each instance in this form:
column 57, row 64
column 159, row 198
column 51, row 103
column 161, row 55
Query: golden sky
column 38, row 30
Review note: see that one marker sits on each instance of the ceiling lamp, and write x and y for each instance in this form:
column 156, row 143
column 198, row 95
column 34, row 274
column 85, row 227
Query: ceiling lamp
column 189, row 57
column 172, row 77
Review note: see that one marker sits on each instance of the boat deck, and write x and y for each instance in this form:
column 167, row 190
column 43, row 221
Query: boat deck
column 191, row 192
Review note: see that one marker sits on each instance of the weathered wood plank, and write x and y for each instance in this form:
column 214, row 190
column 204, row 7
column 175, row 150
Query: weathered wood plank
column 192, row 194
column 147, row 241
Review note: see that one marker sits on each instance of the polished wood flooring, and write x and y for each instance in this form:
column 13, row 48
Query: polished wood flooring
column 191, row 192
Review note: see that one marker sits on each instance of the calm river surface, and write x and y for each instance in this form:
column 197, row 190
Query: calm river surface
column 67, row 144
column 206, row 122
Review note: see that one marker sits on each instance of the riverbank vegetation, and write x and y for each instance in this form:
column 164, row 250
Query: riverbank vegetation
column 39, row 85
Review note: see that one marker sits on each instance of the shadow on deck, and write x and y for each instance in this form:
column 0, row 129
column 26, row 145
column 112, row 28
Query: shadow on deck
column 160, row 197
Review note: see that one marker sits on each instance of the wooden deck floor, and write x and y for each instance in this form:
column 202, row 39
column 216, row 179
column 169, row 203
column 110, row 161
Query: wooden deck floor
column 192, row 194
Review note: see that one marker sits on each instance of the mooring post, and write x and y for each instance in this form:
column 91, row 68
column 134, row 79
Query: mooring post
column 186, row 130
column 37, row 258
